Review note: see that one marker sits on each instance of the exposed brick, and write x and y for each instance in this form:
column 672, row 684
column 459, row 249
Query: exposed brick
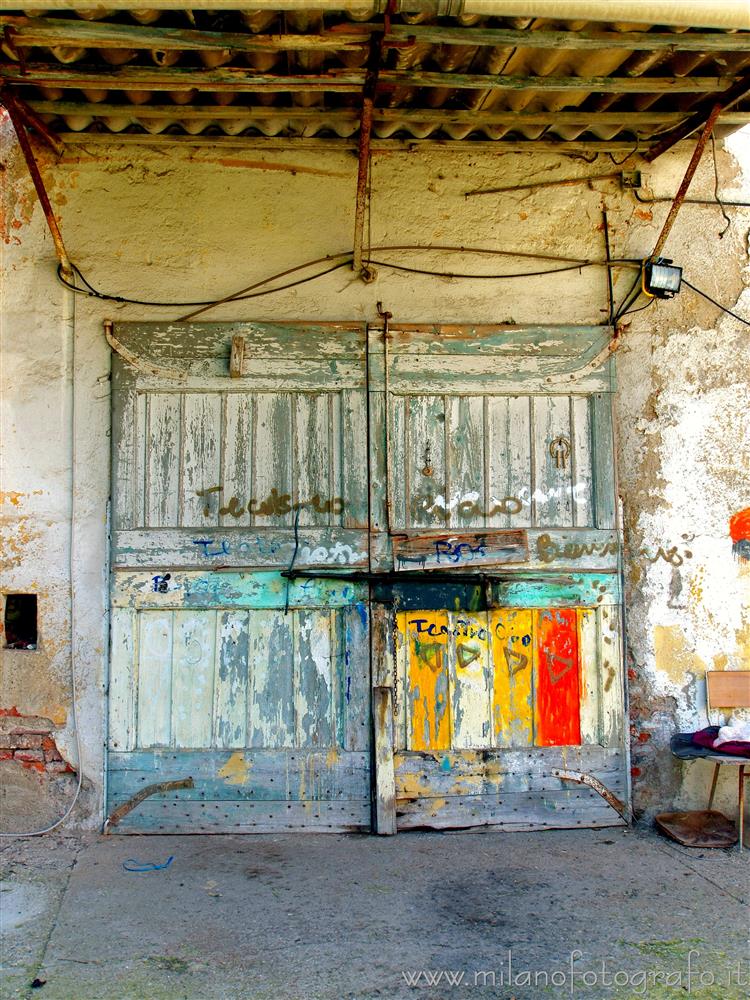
column 6, row 755
column 48, row 744
column 52, row 755
column 59, row 767
column 28, row 741
column 34, row 729
column 15, row 723
column 30, row 756
column 6, row 741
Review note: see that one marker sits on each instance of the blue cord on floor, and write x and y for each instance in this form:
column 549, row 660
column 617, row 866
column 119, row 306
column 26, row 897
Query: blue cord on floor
column 131, row 865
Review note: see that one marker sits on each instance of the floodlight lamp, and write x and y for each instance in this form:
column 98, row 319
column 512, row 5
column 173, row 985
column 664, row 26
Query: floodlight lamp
column 661, row 278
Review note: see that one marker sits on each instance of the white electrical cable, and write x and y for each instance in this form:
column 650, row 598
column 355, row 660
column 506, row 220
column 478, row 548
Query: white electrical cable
column 69, row 320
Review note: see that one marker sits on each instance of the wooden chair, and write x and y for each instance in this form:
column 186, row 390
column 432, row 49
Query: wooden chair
column 729, row 689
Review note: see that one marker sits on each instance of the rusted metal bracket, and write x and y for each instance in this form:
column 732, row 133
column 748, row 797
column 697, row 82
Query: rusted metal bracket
column 21, row 117
column 162, row 786
column 735, row 93
column 369, row 90
column 145, row 367
column 33, row 121
column 236, row 357
column 620, row 807
column 686, row 180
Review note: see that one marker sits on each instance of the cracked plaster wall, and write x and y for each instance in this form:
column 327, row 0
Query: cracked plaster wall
column 180, row 223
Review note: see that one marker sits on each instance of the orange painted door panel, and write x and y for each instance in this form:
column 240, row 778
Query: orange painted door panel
column 558, row 707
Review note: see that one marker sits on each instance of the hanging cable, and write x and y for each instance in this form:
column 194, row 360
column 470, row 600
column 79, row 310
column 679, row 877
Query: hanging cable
column 82, row 286
column 629, row 312
column 727, row 220
column 92, row 292
column 632, row 295
column 479, row 277
column 714, row 302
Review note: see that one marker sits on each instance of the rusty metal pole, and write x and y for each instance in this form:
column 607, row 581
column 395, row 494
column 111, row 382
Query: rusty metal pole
column 683, row 189
column 369, row 91
column 17, row 118
column 363, row 173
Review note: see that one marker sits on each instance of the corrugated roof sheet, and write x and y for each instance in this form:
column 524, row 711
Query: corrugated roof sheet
column 301, row 74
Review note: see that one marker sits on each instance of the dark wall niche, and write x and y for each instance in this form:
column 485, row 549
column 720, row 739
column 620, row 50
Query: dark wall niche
column 20, row 621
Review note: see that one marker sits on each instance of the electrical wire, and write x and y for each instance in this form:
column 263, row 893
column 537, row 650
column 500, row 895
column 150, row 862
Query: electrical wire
column 341, row 259
column 629, row 312
column 718, row 305
column 95, row 293
column 727, row 220
column 476, row 277
column 631, row 296
column 633, row 151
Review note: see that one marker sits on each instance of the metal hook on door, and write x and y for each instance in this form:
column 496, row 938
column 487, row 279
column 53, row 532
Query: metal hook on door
column 559, row 449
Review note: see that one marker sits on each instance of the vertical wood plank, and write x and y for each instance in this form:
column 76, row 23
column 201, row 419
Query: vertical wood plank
column 520, row 482
column 272, row 460
column 552, row 482
column 588, row 631
column 603, row 460
column 122, row 680
column 512, row 656
column 428, row 725
column 395, row 457
column 498, row 458
column 313, row 702
column 425, row 461
column 155, row 678
column 354, row 674
column 125, row 482
column 581, row 467
column 377, row 460
column 612, row 723
column 140, row 439
column 194, row 654
column 312, row 455
column 385, row 780
column 557, row 701
column 230, row 726
column 235, row 475
column 470, row 681
column 162, row 460
column 401, row 685
column 351, row 482
column 465, row 461
column 201, row 453
column 382, row 706
column 509, row 445
column 271, row 656
column 340, row 453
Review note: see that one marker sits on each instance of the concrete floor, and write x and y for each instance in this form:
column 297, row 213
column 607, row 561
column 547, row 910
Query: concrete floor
column 419, row 915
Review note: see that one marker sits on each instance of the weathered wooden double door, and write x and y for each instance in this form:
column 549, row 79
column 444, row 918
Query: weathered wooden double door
column 363, row 578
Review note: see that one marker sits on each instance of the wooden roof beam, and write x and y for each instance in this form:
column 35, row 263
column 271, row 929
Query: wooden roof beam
column 176, row 112
column 29, row 32
column 40, row 31
column 410, row 145
column 677, row 41
column 245, row 80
